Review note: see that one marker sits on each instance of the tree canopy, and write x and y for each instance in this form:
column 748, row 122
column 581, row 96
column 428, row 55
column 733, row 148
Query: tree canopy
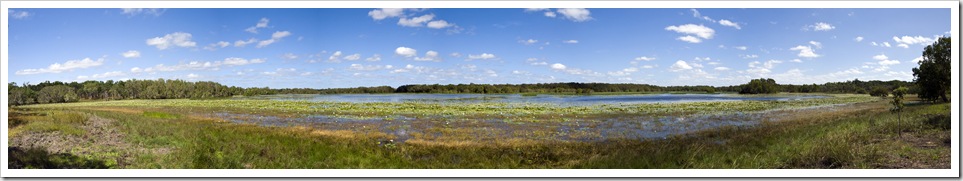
column 933, row 75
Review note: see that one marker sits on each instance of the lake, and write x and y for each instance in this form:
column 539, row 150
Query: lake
column 518, row 98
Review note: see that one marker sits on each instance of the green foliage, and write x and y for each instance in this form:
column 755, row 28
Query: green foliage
column 760, row 86
column 162, row 115
column 21, row 96
column 879, row 92
column 933, row 74
column 56, row 94
column 898, row 99
column 39, row 158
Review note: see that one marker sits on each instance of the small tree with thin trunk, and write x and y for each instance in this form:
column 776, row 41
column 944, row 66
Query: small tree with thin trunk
column 898, row 107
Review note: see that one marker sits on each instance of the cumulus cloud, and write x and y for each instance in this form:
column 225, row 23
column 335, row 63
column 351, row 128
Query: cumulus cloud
column 570, row 41
column 741, row 47
column 750, row 56
column 644, row 58
column 858, row 39
column 692, row 29
column 220, row 44
column 277, row 36
column 240, row 61
column 374, row 58
column 884, row 60
column 429, row 56
column 805, row 51
column 379, row 14
column 730, row 24
column 816, row 43
column 820, row 26
column 416, row 21
column 575, row 14
column 722, row 68
column 241, row 43
column 690, row 39
column 558, row 66
column 103, row 75
column 359, row 67
column 679, row 66
column 179, row 39
column 66, row 66
column 909, row 40
column 352, row 57
column 192, row 75
column 483, row 56
column 406, row 52
column 131, row 54
column 263, row 23
column 439, row 24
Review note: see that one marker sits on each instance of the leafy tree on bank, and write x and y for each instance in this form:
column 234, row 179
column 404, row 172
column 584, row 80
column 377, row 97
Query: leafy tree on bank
column 760, row 86
column 879, row 92
column 933, row 74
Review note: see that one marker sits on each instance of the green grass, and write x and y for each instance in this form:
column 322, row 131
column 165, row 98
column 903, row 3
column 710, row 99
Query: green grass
column 856, row 136
column 53, row 121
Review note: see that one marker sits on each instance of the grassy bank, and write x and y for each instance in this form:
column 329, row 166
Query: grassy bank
column 157, row 134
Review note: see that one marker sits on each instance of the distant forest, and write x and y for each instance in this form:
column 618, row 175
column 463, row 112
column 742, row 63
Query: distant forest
column 56, row 92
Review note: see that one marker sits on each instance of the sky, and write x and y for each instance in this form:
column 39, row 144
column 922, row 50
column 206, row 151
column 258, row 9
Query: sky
column 334, row 48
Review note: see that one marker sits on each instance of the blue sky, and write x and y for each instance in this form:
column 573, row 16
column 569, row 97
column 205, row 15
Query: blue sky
column 327, row 48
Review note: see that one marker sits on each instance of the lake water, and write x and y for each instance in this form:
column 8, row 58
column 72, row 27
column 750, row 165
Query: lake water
column 518, row 98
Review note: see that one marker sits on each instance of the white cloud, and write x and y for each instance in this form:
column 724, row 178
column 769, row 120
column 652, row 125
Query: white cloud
column 575, row 14
column 750, row 56
column 528, row 42
column 535, row 9
column 648, row 66
column 886, row 44
column 359, row 67
column 884, row 60
column 379, row 14
column 680, row 65
column 741, row 47
column 455, row 54
column 570, row 41
column 909, row 40
column 821, row 26
column 66, row 66
column 131, row 54
column 240, row 43
column 220, row 44
column 550, row 14
column 644, row 58
column 289, row 56
column 429, row 56
column 903, row 45
column 730, row 24
column 406, row 52
column 192, row 75
column 374, row 58
column 805, row 51
column 239, row 61
column 180, row 39
column 858, row 39
column 335, row 57
column 103, row 75
column 816, row 43
column 274, row 38
column 263, row 23
column 483, row 56
column 558, row 66
column 696, row 14
column 15, row 14
column 269, row 73
column 690, row 39
column 698, row 30
column 796, row 60
column 703, row 59
column 416, row 21
column 353, row 57
column 137, row 11
column 439, row 24
column 722, row 68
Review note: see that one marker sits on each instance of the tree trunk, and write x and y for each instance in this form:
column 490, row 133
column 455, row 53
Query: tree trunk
column 899, row 129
